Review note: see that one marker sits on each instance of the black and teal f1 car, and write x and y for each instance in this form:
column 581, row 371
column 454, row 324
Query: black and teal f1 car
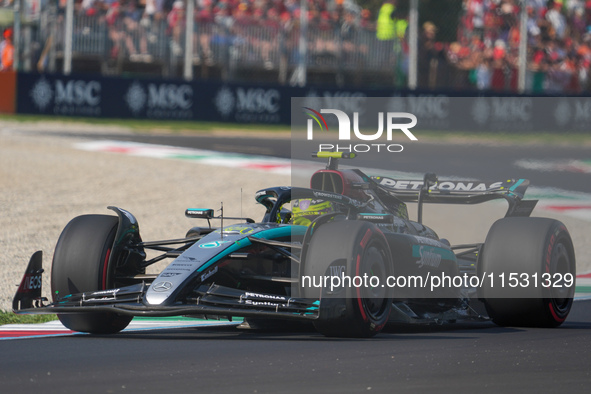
column 342, row 255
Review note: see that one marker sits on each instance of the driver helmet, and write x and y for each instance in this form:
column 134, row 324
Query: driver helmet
column 305, row 210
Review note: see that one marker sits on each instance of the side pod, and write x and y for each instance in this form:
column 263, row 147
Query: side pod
column 28, row 294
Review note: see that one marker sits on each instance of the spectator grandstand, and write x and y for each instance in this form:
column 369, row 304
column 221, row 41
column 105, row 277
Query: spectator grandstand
column 558, row 44
column 259, row 39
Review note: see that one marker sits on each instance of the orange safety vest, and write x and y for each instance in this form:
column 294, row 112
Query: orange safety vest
column 7, row 56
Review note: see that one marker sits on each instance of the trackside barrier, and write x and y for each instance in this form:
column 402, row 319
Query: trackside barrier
column 140, row 98
column 7, row 92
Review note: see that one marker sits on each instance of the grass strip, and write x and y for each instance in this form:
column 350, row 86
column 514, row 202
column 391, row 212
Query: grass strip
column 149, row 125
column 13, row 318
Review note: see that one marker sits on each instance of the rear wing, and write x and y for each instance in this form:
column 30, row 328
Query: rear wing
column 460, row 192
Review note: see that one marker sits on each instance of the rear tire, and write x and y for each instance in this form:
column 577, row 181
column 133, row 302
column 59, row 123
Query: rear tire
column 81, row 264
column 529, row 247
column 359, row 248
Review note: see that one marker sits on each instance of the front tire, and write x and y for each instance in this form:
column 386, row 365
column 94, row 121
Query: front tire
column 81, row 264
column 352, row 248
column 530, row 248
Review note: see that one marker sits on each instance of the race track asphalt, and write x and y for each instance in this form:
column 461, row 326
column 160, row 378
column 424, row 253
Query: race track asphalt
column 473, row 357
column 476, row 357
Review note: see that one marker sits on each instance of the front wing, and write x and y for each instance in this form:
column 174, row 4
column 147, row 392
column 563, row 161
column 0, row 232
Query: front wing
column 208, row 300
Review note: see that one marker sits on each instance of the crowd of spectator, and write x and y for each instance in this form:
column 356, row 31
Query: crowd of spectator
column 482, row 54
column 487, row 46
column 133, row 23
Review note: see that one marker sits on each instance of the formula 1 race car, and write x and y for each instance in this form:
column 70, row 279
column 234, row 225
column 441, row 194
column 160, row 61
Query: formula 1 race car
column 309, row 259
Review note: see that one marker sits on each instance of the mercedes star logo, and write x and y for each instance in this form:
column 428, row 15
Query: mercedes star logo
column 162, row 286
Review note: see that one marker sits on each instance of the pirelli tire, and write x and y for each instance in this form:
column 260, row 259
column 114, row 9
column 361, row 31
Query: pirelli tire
column 532, row 248
column 81, row 264
column 352, row 248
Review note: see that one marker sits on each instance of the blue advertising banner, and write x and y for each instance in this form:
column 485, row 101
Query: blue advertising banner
column 60, row 95
column 108, row 97
column 213, row 101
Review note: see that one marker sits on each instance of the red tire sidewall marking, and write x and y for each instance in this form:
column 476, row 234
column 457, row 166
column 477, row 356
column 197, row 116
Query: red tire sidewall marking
column 359, row 301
